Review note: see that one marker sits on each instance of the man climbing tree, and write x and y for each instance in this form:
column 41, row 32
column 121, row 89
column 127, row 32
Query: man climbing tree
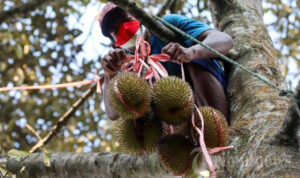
column 203, row 72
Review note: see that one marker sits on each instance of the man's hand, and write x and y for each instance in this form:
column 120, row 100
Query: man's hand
column 178, row 53
column 112, row 61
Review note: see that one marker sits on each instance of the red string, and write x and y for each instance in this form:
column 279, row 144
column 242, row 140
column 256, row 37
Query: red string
column 57, row 86
column 206, row 153
column 220, row 130
column 142, row 59
column 123, row 100
column 200, row 132
column 171, row 129
column 202, row 142
column 221, row 136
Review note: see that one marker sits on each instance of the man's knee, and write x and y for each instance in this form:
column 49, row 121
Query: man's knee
column 207, row 89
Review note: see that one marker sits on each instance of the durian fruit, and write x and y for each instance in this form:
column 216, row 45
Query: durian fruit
column 214, row 136
column 175, row 154
column 173, row 100
column 134, row 90
column 139, row 136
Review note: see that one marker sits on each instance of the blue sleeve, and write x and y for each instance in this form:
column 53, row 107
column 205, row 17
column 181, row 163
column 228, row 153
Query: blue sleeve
column 188, row 25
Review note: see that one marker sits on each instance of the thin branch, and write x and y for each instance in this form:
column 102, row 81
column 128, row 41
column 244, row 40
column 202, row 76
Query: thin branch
column 204, row 7
column 21, row 9
column 33, row 131
column 288, row 133
column 149, row 22
column 167, row 4
column 64, row 119
column 173, row 7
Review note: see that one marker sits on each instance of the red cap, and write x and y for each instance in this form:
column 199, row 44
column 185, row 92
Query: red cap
column 107, row 10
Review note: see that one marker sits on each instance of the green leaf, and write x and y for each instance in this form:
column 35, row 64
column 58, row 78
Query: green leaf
column 17, row 153
column 19, row 51
column 22, row 169
column 19, row 158
column 46, row 158
column 2, row 166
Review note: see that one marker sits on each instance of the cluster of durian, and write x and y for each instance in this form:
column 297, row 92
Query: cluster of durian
column 149, row 113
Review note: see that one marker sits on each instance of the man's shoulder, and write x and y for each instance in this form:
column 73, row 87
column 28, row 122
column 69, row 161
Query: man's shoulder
column 181, row 20
column 172, row 18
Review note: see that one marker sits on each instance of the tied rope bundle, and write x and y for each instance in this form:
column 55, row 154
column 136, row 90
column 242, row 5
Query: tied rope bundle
column 142, row 58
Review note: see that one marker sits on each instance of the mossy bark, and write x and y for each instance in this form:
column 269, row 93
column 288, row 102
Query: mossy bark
column 257, row 111
column 100, row 165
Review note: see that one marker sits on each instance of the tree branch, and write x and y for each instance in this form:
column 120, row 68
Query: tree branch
column 88, row 165
column 24, row 8
column 167, row 4
column 151, row 24
column 288, row 132
column 173, row 7
column 63, row 120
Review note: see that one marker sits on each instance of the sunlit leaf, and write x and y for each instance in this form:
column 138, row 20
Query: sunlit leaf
column 286, row 8
column 46, row 158
column 17, row 153
column 26, row 49
column 2, row 167
column 22, row 169
column 19, row 51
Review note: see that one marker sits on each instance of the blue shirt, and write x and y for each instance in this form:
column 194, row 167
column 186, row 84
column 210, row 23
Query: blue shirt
column 193, row 28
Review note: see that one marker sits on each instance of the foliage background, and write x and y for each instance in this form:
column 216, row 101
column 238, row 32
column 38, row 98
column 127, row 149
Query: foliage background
column 60, row 41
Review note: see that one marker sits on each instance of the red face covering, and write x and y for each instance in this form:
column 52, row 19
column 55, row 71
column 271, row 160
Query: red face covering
column 127, row 32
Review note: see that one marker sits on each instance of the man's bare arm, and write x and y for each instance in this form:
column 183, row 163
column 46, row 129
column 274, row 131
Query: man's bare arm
column 217, row 40
column 111, row 63
column 112, row 115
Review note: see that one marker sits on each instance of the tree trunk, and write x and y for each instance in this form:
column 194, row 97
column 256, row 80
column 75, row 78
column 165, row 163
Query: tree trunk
column 257, row 111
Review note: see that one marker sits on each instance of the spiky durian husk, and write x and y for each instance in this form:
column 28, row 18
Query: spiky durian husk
column 135, row 91
column 139, row 136
column 211, row 131
column 173, row 100
column 175, row 153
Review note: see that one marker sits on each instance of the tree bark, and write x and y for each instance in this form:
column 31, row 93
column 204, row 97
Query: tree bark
column 257, row 111
column 100, row 165
column 165, row 6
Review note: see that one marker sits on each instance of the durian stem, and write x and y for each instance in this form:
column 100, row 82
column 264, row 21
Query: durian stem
column 171, row 129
